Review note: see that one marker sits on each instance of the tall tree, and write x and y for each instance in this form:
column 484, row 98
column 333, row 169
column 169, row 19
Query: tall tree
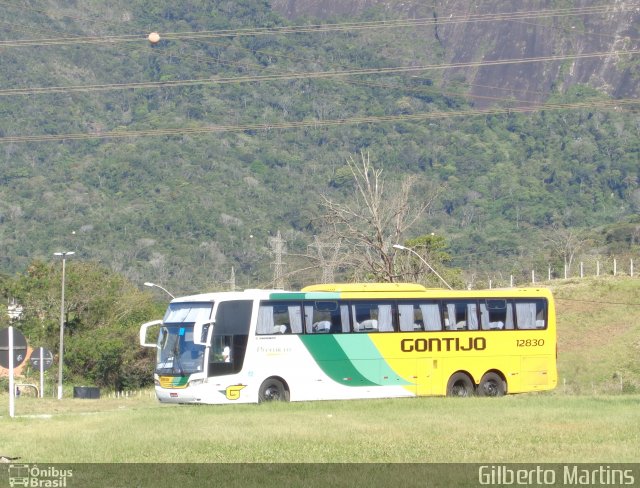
column 103, row 312
column 374, row 217
column 429, row 263
column 565, row 243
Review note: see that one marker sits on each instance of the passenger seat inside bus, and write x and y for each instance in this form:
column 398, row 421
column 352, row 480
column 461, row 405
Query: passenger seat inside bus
column 322, row 327
column 366, row 325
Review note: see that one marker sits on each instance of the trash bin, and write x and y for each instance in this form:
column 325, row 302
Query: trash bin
column 86, row 392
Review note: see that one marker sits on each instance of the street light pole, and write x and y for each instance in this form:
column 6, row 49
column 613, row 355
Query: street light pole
column 147, row 283
column 61, row 353
column 398, row 246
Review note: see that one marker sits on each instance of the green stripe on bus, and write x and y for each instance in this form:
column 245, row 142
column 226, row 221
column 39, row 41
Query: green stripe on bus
column 286, row 296
column 322, row 295
column 314, row 295
column 332, row 359
column 369, row 362
column 180, row 381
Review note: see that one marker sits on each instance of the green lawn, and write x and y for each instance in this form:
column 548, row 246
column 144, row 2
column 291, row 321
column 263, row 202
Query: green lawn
column 522, row 428
column 598, row 336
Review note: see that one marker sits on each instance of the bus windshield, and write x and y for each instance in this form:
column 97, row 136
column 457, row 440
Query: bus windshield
column 177, row 354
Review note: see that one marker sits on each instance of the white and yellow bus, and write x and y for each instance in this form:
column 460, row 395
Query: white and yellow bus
column 345, row 341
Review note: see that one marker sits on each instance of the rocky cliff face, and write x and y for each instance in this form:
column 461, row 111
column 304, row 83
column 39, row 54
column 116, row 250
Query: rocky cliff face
column 474, row 31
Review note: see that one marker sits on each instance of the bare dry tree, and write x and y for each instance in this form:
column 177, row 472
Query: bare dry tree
column 374, row 218
column 565, row 243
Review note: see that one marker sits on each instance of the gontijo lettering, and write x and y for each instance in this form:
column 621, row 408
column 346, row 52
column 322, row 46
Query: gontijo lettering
column 443, row 344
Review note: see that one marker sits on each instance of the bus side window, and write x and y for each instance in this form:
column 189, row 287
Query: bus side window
column 287, row 318
column 328, row 317
column 372, row 316
column 364, row 317
column 431, row 316
column 279, row 318
column 455, row 316
column 385, row 317
column 461, row 315
column 316, row 321
column 531, row 314
column 419, row 316
column 496, row 314
column 339, row 320
column 266, row 322
column 409, row 317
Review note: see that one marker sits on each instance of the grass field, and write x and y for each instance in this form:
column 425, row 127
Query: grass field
column 593, row 416
column 523, row 428
column 598, row 336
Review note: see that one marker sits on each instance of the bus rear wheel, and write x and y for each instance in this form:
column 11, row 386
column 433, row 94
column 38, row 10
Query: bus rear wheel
column 492, row 385
column 272, row 390
column 460, row 385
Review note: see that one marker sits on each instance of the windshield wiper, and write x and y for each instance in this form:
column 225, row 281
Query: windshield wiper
column 176, row 359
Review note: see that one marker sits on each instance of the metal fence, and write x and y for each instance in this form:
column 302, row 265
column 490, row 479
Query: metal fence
column 587, row 268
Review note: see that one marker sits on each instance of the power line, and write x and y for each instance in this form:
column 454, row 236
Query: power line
column 321, row 28
column 344, row 26
column 315, row 123
column 303, row 75
column 290, row 76
column 626, row 304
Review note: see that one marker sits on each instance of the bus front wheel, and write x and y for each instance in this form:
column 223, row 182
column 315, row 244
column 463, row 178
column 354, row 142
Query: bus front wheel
column 492, row 385
column 272, row 390
column 460, row 385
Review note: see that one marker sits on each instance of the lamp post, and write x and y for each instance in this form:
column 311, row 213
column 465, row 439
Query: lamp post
column 61, row 353
column 404, row 248
column 147, row 283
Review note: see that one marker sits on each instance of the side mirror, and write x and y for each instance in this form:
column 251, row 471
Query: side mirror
column 143, row 333
column 198, row 329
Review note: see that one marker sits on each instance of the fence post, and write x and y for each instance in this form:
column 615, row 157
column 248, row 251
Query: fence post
column 565, row 271
column 549, row 274
column 581, row 269
column 597, row 268
column 615, row 267
column 631, row 267
column 511, row 281
column 533, row 276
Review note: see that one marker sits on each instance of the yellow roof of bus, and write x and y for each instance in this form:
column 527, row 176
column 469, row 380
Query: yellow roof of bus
column 416, row 290
column 366, row 287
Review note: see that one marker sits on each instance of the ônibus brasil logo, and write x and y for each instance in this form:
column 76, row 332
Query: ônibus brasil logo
column 37, row 477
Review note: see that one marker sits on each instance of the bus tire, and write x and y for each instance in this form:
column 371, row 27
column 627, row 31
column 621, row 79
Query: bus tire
column 492, row 385
column 460, row 385
column 273, row 390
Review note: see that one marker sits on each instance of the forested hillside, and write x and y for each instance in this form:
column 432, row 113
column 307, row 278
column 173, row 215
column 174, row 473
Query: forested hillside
column 177, row 161
column 596, row 33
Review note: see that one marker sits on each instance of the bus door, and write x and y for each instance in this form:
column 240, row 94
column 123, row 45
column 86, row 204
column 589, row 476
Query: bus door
column 229, row 337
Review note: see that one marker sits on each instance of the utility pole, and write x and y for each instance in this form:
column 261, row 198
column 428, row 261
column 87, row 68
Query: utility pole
column 63, row 255
column 232, row 279
column 328, row 265
column 278, row 248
